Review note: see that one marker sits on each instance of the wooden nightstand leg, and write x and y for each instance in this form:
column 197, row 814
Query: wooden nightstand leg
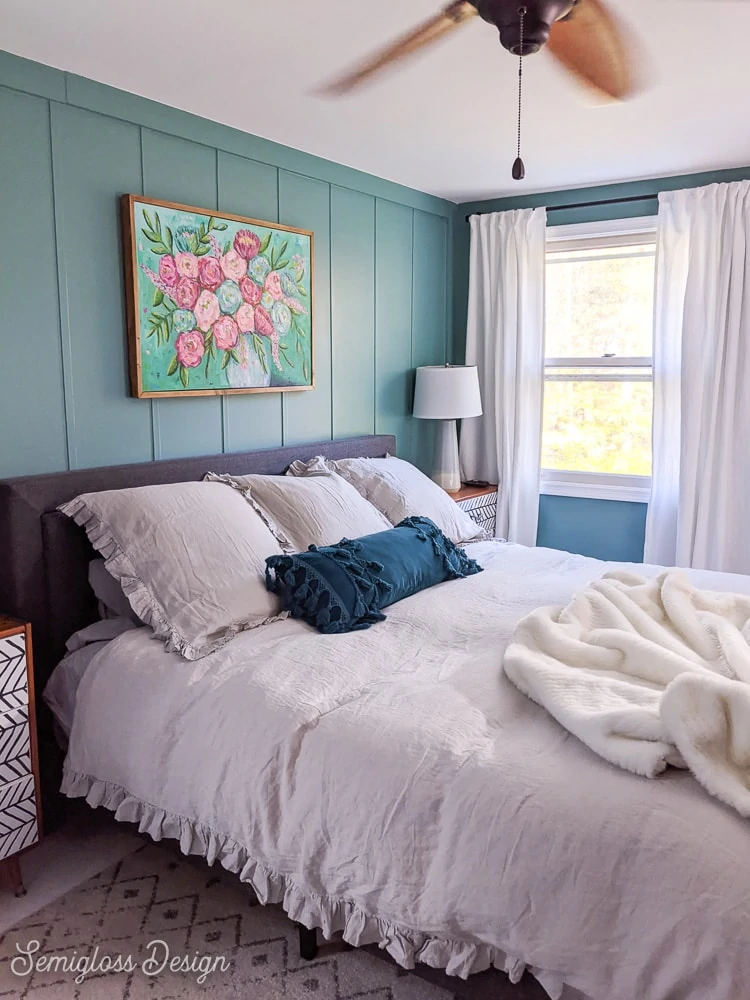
column 12, row 871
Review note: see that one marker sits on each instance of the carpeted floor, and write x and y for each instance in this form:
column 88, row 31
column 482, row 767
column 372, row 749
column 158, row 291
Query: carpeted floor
column 205, row 919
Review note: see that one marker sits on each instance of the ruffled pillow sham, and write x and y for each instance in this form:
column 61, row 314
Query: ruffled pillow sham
column 344, row 587
column 399, row 490
column 316, row 510
column 190, row 558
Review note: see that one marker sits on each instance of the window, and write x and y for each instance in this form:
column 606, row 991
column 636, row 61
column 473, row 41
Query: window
column 598, row 378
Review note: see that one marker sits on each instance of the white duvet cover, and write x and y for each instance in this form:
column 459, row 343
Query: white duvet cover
column 392, row 784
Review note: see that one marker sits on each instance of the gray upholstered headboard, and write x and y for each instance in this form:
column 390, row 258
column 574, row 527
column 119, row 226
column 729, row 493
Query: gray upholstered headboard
column 44, row 556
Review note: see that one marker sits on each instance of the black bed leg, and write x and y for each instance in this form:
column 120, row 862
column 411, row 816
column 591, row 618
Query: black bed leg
column 308, row 943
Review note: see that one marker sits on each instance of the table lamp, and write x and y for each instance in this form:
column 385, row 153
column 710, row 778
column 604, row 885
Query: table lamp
column 447, row 393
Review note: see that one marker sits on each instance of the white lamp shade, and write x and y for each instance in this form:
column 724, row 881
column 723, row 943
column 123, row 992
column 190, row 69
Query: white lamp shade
column 445, row 392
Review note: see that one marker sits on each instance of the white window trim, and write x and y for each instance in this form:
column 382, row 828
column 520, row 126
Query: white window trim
column 598, row 485
column 595, row 486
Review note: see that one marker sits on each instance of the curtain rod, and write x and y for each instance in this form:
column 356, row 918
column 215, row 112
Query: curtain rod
column 591, row 204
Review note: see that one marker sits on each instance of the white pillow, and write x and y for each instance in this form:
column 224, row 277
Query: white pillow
column 319, row 510
column 398, row 489
column 190, row 558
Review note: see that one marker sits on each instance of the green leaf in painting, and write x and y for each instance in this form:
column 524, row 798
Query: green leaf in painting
column 184, row 376
column 168, row 242
column 227, row 359
column 174, row 364
column 284, row 245
column 208, row 363
column 220, row 226
column 265, row 243
column 305, row 371
column 209, row 224
column 148, row 219
column 158, row 296
column 302, row 291
column 234, row 356
column 202, row 251
column 281, row 264
column 227, row 246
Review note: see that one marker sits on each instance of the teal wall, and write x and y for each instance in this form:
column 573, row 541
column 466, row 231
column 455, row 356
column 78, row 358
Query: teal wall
column 606, row 529
column 69, row 148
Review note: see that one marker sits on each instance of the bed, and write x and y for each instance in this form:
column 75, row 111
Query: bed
column 391, row 784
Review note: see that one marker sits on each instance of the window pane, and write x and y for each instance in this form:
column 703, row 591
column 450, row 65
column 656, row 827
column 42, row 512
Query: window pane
column 600, row 302
column 598, row 427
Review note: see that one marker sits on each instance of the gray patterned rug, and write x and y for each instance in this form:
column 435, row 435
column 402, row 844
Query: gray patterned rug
column 223, row 943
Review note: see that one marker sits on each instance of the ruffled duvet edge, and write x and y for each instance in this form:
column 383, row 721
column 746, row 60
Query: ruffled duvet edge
column 358, row 928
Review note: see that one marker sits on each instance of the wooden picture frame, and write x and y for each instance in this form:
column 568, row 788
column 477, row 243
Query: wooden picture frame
column 217, row 304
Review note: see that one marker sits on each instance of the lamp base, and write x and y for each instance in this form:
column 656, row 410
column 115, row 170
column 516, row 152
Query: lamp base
column 445, row 468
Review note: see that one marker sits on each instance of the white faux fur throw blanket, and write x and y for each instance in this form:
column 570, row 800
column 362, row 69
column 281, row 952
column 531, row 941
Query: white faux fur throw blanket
column 647, row 673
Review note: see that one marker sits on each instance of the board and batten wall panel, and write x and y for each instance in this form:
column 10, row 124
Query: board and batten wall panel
column 429, row 315
column 31, row 384
column 306, row 203
column 70, row 149
column 94, row 161
column 353, row 312
column 394, row 251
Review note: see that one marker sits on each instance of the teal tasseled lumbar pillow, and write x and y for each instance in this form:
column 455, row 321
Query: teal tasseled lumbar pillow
column 344, row 587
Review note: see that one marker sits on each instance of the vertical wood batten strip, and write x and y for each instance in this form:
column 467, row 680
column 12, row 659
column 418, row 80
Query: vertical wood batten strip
column 66, row 346
column 154, row 404
column 62, row 298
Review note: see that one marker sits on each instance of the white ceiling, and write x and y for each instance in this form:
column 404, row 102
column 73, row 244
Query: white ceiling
column 444, row 123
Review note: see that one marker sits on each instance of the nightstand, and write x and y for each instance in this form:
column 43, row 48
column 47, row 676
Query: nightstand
column 480, row 503
column 20, row 825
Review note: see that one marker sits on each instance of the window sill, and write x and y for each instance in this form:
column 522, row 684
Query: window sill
column 632, row 489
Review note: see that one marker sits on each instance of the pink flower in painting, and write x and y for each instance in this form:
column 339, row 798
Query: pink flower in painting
column 154, row 278
column 275, row 351
column 247, row 244
column 225, row 333
column 209, row 273
column 263, row 324
column 190, row 348
column 187, row 264
column 233, row 265
column 245, row 317
column 215, row 248
column 206, row 310
column 168, row 270
column 295, row 305
column 186, row 293
column 273, row 285
column 250, row 291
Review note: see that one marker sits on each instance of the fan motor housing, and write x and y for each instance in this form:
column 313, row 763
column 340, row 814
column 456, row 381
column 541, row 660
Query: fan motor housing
column 538, row 19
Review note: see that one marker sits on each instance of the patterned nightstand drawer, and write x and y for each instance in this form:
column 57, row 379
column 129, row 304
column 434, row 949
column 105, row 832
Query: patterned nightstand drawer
column 482, row 508
column 20, row 820
column 14, row 688
column 15, row 745
column 18, row 824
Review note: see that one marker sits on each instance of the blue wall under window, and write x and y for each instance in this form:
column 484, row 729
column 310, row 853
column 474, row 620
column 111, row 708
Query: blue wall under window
column 606, row 529
column 69, row 148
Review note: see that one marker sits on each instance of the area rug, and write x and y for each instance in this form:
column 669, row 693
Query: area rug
column 157, row 926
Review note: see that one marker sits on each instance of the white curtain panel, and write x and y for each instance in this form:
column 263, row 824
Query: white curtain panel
column 505, row 340
column 699, row 512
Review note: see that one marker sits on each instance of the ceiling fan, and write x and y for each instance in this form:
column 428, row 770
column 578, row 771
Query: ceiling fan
column 581, row 34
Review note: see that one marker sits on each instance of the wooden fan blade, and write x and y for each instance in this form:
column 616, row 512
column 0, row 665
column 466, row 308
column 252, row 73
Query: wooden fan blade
column 428, row 32
column 592, row 45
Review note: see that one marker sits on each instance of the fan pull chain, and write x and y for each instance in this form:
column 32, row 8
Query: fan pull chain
column 519, row 169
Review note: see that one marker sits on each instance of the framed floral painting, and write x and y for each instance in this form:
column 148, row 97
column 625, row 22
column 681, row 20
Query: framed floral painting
column 216, row 303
